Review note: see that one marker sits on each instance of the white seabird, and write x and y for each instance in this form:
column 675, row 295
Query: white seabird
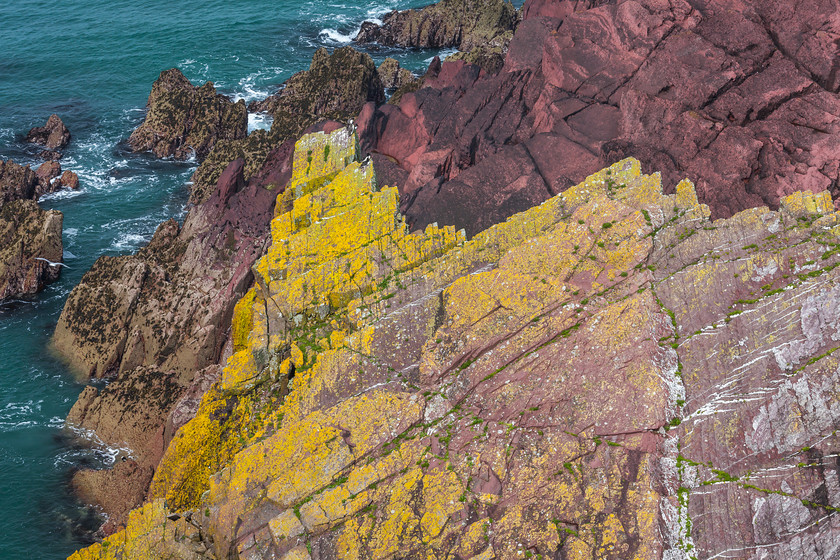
column 49, row 262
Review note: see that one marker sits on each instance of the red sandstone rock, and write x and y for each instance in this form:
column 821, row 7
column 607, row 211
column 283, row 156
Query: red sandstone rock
column 736, row 96
column 54, row 135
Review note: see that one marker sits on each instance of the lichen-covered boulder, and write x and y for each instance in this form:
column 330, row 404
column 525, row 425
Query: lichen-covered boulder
column 186, row 121
column 54, row 134
column 450, row 23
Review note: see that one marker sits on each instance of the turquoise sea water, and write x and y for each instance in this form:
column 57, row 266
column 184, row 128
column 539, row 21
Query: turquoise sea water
column 93, row 63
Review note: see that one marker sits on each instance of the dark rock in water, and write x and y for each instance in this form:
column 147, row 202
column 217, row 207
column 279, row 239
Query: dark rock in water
column 184, row 120
column 17, row 182
column 335, row 87
column 50, row 155
column 69, row 180
column 46, row 172
column 450, row 23
column 54, row 135
column 28, row 234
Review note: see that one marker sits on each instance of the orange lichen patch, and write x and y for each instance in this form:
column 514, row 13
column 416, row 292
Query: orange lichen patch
column 183, row 474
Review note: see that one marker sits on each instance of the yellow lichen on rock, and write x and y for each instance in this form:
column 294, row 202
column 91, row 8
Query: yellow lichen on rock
column 414, row 394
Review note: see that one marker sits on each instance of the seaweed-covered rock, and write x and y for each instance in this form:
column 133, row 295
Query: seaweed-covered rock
column 392, row 75
column 335, row 87
column 450, row 23
column 28, row 235
column 54, row 134
column 185, row 121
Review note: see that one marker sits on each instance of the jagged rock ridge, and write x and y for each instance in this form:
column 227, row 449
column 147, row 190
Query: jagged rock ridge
column 607, row 375
column 186, row 121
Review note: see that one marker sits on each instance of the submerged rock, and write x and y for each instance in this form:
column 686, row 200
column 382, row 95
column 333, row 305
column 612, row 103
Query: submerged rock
column 54, row 134
column 186, row 121
column 609, row 374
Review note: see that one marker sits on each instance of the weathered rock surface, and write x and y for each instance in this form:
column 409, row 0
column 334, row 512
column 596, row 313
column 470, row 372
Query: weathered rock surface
column 186, row 121
column 169, row 309
column 449, row 23
column 736, row 96
column 392, row 76
column 335, row 87
column 169, row 304
column 54, row 134
column 27, row 234
column 607, row 375
column 118, row 417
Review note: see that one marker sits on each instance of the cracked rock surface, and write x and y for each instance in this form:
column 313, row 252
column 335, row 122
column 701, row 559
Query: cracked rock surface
column 741, row 97
column 610, row 374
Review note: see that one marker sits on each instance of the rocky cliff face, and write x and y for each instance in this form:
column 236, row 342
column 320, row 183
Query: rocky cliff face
column 336, row 87
column 737, row 95
column 609, row 374
column 186, row 121
column 156, row 323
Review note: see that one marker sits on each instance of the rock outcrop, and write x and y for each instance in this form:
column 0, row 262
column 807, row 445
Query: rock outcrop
column 28, row 234
column 607, row 375
column 450, row 23
column 54, row 135
column 336, row 87
column 735, row 95
column 169, row 309
column 392, row 76
column 186, row 121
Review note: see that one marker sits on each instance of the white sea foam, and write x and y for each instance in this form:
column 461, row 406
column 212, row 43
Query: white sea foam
column 336, row 37
column 62, row 194
column 16, row 415
column 68, row 255
column 108, row 454
column 259, row 121
column 128, row 241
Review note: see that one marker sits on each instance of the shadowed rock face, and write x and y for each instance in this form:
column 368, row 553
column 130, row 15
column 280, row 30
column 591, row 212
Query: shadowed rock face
column 739, row 96
column 185, row 121
column 335, row 87
column 609, row 374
